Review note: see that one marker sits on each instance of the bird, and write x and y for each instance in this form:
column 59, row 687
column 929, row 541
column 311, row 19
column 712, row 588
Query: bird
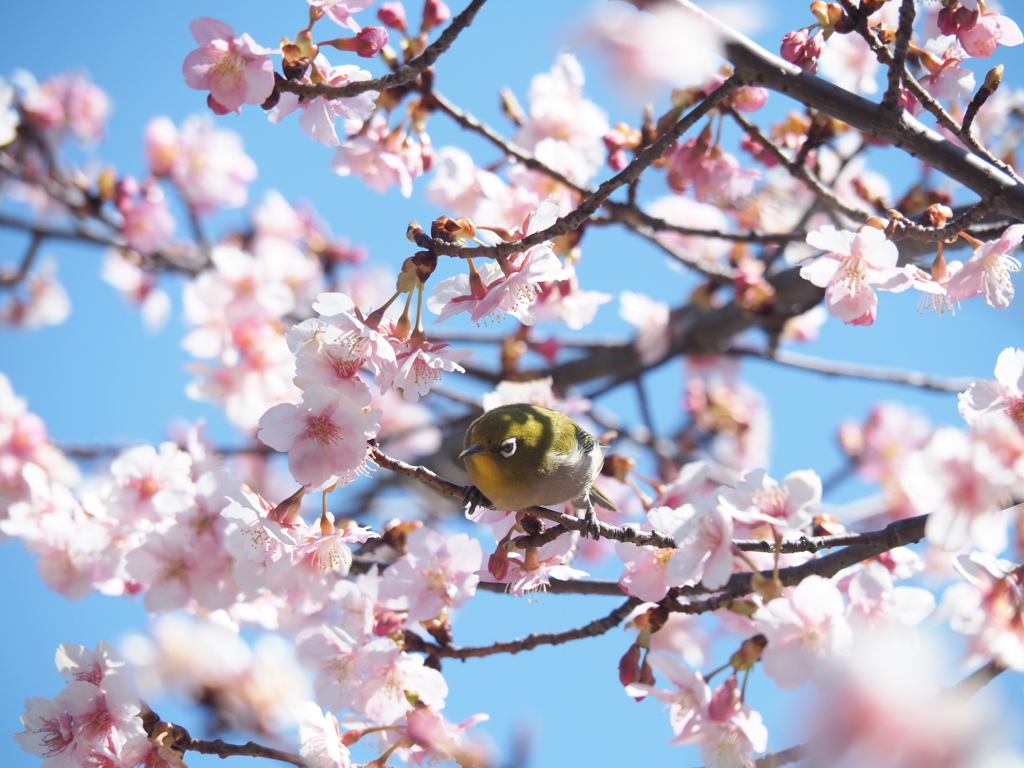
column 522, row 455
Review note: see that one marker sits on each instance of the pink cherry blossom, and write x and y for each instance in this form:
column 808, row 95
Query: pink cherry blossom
column 325, row 436
column 646, row 574
column 419, row 366
column 875, row 602
column 254, row 537
column 559, row 111
column 987, row 271
column 1004, row 396
column 533, row 568
column 946, row 79
column 318, row 115
column 563, row 300
column 389, row 674
column 175, row 573
column 333, row 655
column 207, row 164
column 435, row 574
column 437, row 741
column 855, row 262
column 151, row 485
column 987, row 607
column 381, row 158
column 235, row 70
column 320, row 736
column 804, row 629
column 704, row 548
column 687, row 705
column 341, row 10
column 989, row 32
column 893, row 715
column 787, row 506
column 48, row 732
column 961, row 482
column 734, row 732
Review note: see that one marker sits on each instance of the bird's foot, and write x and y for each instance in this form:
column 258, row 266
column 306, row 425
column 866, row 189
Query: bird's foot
column 591, row 526
column 473, row 498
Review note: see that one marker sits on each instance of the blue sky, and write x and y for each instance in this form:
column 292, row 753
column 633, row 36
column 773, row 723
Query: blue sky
column 101, row 378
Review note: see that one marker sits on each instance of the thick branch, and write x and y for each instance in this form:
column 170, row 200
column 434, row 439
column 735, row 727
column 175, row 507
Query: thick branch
column 759, row 67
column 404, row 74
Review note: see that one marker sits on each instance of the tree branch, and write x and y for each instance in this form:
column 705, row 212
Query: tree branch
column 758, row 67
column 401, row 76
column 574, row 219
column 593, row 629
column 858, row 371
column 250, row 749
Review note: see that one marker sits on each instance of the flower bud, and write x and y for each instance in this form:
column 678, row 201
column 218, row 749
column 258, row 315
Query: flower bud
column 392, row 15
column 435, row 12
column 749, row 653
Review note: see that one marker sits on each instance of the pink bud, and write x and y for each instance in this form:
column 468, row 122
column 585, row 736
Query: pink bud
column 392, row 15
column 725, row 700
column 956, row 19
column 435, row 12
column 370, row 41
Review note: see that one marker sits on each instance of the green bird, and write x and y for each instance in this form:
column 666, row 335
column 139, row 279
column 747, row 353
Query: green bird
column 521, row 456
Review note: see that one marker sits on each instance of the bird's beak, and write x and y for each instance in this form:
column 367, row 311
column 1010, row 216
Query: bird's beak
column 471, row 449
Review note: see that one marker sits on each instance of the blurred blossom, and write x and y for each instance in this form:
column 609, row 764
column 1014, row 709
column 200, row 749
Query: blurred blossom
column 38, row 301
column 647, row 50
column 893, row 713
column 253, row 688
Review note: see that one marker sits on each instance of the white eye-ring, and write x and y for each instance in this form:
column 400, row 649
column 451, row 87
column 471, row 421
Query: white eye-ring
column 507, row 447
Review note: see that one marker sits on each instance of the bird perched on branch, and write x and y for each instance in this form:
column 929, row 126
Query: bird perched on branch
column 521, row 455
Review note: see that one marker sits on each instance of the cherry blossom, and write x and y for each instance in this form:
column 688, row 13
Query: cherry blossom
column 318, row 115
column 325, row 436
column 435, row 574
column 853, row 264
column 379, row 157
column 987, row 271
column 321, row 738
column 235, row 71
column 987, row 607
column 875, row 602
column 646, row 572
column 989, row 32
column 1003, row 396
column 341, row 11
column 208, row 165
column 437, row 740
column 787, row 506
column 558, row 110
column 804, row 630
column 390, row 675
column 704, row 542
column 961, row 482
column 419, row 365
column 532, row 568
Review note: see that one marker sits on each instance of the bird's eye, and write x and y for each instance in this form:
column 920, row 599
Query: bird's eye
column 507, row 447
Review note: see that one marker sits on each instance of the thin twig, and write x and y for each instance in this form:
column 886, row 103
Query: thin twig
column 26, row 263
column 899, row 56
column 574, row 219
column 783, row 757
column 858, row 371
column 401, row 76
column 798, row 170
column 593, row 629
column 250, row 749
